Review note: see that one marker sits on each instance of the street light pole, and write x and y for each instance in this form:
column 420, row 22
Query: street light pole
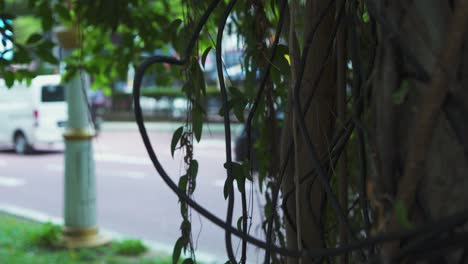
column 80, row 183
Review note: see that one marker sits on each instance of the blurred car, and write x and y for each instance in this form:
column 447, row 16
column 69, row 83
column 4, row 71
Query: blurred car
column 33, row 116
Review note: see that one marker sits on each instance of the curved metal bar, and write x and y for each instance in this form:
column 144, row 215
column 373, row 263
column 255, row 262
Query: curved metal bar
column 227, row 131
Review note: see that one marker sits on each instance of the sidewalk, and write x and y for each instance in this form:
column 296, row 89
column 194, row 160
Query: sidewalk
column 167, row 126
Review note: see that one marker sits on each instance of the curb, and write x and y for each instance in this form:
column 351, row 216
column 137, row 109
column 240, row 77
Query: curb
column 152, row 245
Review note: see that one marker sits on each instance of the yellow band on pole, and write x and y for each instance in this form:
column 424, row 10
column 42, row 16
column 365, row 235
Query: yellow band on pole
column 79, row 134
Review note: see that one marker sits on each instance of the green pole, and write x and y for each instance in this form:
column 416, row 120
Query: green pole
column 80, row 182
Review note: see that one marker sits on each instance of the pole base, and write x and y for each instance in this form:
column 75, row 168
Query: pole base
column 73, row 237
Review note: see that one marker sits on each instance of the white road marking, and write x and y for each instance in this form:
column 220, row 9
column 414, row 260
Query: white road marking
column 126, row 174
column 122, row 174
column 122, row 158
column 11, row 182
column 3, row 163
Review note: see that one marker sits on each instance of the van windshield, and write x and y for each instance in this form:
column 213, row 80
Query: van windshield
column 53, row 93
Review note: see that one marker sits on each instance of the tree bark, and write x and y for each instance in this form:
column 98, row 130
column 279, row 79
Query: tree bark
column 422, row 158
column 320, row 120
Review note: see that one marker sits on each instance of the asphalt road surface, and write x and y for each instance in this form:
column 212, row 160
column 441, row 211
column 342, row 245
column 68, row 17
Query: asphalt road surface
column 132, row 199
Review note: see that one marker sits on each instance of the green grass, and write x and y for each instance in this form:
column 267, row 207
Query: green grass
column 23, row 242
column 130, row 247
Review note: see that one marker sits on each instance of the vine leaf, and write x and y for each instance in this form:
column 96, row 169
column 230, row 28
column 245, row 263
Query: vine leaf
column 183, row 209
column 226, row 189
column 44, row 51
column 238, row 172
column 239, row 222
column 183, row 183
column 205, row 55
column 200, row 84
column 9, row 78
column 177, row 250
column 281, row 66
column 237, row 103
column 239, row 175
column 62, row 12
column 186, row 228
column 188, row 261
column 402, row 216
column 193, row 171
column 175, row 139
column 399, row 95
column 173, row 27
column 34, row 38
column 197, row 119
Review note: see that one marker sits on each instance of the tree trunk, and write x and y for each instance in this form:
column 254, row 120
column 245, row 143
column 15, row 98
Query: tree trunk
column 320, row 120
column 415, row 36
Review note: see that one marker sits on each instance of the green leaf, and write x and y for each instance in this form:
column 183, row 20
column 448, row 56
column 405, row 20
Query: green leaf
column 22, row 54
column 237, row 103
column 173, row 29
column 45, row 13
column 236, row 93
column 186, row 228
column 197, row 122
column 183, row 209
column 193, row 171
column 193, row 168
column 180, row 41
column 239, row 223
column 175, row 139
column 226, row 189
column 239, row 108
column 402, row 216
column 47, row 56
column 239, row 175
column 183, row 183
column 399, row 95
column 34, row 38
column 177, row 250
column 229, row 107
column 199, row 81
column 62, row 12
column 365, row 17
column 69, row 74
column 188, row 261
column 9, row 78
column 205, row 55
column 246, row 169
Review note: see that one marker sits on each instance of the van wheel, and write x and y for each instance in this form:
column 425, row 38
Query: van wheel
column 21, row 144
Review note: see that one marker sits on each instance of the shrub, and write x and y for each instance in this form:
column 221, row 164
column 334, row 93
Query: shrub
column 130, row 247
column 47, row 236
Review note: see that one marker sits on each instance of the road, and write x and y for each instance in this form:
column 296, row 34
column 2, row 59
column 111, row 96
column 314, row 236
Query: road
column 132, row 199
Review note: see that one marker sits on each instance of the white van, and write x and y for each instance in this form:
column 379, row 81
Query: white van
column 33, row 117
